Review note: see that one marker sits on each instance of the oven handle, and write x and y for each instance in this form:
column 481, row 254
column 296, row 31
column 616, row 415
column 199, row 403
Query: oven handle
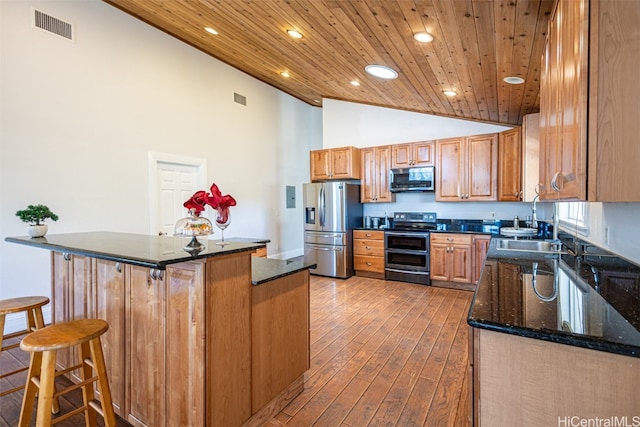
column 407, row 234
column 395, row 270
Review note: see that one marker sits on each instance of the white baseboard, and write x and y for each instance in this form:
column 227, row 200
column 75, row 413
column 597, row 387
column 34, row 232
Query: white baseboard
column 15, row 322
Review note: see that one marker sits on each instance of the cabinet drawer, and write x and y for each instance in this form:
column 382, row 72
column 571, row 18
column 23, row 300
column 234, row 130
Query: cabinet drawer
column 451, row 239
column 368, row 234
column 368, row 263
column 368, row 247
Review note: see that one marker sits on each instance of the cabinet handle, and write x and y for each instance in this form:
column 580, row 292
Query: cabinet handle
column 156, row 274
column 66, row 256
column 118, row 267
column 450, row 239
column 369, row 264
column 367, row 248
column 368, row 234
column 554, row 182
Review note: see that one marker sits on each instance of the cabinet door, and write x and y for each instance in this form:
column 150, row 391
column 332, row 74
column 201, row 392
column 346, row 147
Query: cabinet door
column 510, row 165
column 341, row 163
column 185, row 344
column 401, row 155
column 368, row 175
column 60, row 278
column 145, row 358
column 383, row 164
column 438, row 261
column 450, row 173
column 482, row 164
column 320, row 165
column 460, row 263
column 480, row 249
column 423, row 153
column 80, row 295
column 110, row 306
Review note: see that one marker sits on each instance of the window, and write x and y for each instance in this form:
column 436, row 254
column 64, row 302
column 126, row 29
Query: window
column 574, row 216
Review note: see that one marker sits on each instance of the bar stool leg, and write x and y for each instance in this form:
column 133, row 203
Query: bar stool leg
column 47, row 380
column 29, row 397
column 87, row 390
column 103, row 382
column 2, row 317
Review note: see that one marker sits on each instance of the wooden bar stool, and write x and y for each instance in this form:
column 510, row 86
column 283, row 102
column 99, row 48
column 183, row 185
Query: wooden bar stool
column 43, row 345
column 32, row 307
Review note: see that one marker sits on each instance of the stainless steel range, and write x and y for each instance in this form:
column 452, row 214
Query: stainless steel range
column 406, row 247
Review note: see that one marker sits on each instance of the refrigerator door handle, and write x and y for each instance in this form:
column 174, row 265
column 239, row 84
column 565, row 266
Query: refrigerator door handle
column 321, row 206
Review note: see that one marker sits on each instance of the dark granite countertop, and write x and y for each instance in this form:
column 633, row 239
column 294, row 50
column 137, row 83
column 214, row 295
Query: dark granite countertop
column 247, row 240
column 138, row 249
column 586, row 298
column 266, row 269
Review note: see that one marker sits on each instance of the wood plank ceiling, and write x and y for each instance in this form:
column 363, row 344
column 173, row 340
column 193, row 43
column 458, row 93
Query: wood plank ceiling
column 476, row 44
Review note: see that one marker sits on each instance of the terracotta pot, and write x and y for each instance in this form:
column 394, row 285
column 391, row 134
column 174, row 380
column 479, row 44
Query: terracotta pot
column 37, row 230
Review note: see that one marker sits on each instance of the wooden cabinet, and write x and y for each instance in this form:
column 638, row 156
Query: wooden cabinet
column 374, row 186
column 451, row 257
column 589, row 51
column 109, row 303
column 412, row 154
column 72, row 289
column 368, row 253
column 563, row 103
column 335, row 164
column 280, row 353
column 480, row 248
column 467, row 168
column 510, row 165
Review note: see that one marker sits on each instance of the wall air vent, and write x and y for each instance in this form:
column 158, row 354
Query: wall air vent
column 52, row 25
column 239, row 99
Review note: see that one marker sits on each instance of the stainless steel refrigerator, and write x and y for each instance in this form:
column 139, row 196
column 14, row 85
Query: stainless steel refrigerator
column 331, row 211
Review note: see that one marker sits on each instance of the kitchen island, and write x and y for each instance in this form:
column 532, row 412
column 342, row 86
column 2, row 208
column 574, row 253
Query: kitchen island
column 555, row 336
column 193, row 339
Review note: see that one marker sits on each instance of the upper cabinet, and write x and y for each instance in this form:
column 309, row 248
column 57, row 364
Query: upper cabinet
column 412, row 154
column 510, row 165
column 335, row 164
column 591, row 53
column 374, row 186
column 467, row 168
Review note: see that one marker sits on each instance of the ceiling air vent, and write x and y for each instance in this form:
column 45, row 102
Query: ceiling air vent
column 239, row 99
column 52, row 25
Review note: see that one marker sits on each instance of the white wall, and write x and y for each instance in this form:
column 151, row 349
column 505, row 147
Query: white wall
column 79, row 118
column 346, row 123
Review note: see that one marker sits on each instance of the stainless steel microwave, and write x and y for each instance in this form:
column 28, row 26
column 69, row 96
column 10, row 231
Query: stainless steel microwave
column 411, row 179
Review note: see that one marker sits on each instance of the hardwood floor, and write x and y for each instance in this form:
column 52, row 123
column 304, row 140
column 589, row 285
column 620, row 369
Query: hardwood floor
column 383, row 353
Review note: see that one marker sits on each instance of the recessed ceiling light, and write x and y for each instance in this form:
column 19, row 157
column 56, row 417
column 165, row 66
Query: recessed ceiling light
column 211, row 31
column 285, row 74
column 295, row 34
column 423, row 37
column 450, row 92
column 512, row 80
column 381, row 71
column 355, row 82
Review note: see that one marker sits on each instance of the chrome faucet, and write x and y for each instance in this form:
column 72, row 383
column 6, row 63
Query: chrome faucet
column 556, row 221
column 534, row 218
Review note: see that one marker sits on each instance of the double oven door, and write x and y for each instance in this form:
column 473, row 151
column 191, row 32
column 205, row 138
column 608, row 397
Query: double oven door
column 407, row 256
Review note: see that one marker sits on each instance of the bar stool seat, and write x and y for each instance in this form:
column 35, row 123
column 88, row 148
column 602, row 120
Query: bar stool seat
column 43, row 345
column 32, row 307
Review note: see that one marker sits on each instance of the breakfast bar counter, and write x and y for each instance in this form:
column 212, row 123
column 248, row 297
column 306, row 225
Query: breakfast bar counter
column 218, row 338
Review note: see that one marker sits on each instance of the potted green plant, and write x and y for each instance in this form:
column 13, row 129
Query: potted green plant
column 34, row 215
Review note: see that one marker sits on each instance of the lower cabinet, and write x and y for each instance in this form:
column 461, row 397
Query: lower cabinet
column 368, row 253
column 179, row 350
column 451, row 257
column 480, row 249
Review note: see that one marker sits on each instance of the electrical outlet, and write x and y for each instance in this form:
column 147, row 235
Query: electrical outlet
column 606, row 235
column 493, row 215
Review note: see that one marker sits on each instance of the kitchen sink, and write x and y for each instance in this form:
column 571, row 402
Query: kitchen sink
column 527, row 245
column 518, row 232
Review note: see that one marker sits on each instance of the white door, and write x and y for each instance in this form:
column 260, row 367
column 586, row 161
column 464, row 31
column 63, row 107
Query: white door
column 173, row 181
